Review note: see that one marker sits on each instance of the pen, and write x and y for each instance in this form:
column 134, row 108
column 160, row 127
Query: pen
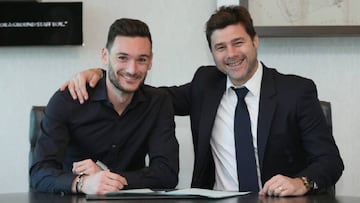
column 102, row 165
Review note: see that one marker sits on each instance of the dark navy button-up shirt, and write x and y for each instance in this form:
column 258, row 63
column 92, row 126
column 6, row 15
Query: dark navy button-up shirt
column 73, row 132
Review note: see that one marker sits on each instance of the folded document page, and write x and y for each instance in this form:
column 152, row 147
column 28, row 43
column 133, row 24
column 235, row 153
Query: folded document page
column 206, row 193
column 181, row 193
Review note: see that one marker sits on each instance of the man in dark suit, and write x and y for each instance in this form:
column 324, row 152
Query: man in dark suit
column 295, row 152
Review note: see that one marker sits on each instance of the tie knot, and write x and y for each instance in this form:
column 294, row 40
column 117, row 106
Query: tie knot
column 241, row 92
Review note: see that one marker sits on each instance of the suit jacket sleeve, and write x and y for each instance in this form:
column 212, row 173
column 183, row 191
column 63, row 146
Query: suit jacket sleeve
column 299, row 141
column 325, row 165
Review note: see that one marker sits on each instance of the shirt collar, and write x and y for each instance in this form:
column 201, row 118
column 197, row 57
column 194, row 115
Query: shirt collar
column 253, row 84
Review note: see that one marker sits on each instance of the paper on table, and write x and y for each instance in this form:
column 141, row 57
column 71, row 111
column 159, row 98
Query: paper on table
column 134, row 191
column 185, row 192
column 206, row 193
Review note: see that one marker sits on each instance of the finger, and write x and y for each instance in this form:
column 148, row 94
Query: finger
column 71, row 89
column 81, row 85
column 277, row 191
column 269, row 188
column 285, row 192
column 80, row 170
column 77, row 90
column 266, row 188
column 117, row 177
column 94, row 80
column 75, row 167
column 80, row 167
column 123, row 180
column 63, row 86
column 110, row 188
column 115, row 185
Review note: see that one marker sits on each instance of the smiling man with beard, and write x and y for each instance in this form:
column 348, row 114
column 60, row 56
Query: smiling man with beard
column 100, row 146
column 291, row 150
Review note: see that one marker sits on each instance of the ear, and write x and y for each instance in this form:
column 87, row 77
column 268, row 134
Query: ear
column 105, row 56
column 256, row 41
column 151, row 58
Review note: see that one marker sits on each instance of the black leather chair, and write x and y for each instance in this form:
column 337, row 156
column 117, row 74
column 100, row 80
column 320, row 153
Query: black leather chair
column 36, row 114
column 326, row 107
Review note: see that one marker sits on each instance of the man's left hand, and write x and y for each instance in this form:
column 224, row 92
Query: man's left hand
column 280, row 185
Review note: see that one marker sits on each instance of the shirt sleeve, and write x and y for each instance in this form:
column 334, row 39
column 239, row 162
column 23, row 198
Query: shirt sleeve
column 47, row 173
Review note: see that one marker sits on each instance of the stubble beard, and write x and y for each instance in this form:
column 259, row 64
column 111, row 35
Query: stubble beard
column 114, row 81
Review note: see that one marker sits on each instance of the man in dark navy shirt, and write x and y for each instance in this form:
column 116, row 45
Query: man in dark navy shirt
column 100, row 146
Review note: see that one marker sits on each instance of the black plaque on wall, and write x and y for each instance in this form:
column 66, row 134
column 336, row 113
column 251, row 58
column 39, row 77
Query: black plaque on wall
column 34, row 23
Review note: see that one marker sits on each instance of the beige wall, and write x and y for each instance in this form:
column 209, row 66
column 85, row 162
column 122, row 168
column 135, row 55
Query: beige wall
column 30, row 75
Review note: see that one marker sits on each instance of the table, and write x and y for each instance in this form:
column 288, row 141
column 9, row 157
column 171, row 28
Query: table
column 33, row 197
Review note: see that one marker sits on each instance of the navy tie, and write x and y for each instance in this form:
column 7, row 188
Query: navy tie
column 245, row 155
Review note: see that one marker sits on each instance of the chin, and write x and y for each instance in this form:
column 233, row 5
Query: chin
column 131, row 89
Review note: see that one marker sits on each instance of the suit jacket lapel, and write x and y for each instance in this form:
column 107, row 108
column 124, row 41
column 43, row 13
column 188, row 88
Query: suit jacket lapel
column 267, row 108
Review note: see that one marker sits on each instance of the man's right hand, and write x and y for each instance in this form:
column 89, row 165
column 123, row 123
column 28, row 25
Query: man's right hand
column 77, row 84
column 103, row 182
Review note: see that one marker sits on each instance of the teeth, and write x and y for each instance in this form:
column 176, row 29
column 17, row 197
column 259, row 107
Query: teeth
column 235, row 63
column 234, row 60
column 129, row 77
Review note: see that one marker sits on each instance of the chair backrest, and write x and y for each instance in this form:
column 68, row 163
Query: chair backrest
column 36, row 114
column 326, row 107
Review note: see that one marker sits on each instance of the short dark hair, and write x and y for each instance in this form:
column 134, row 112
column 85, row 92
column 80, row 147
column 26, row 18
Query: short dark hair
column 229, row 15
column 129, row 28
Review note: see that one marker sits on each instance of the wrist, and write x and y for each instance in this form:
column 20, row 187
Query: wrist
column 309, row 184
column 101, row 72
column 79, row 181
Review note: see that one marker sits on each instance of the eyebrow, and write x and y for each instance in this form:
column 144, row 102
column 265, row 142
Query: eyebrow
column 126, row 54
column 233, row 40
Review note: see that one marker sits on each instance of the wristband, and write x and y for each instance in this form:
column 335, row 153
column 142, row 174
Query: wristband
column 79, row 182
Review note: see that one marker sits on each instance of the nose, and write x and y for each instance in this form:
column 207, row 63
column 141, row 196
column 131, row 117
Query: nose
column 131, row 66
column 230, row 51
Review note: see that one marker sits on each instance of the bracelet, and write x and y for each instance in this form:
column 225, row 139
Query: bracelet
column 79, row 182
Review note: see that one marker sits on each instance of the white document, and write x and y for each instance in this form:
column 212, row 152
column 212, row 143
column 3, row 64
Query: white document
column 181, row 192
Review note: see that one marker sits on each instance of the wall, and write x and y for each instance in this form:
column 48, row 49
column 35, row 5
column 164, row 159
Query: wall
column 30, row 75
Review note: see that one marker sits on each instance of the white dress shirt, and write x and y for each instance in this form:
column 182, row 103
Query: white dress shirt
column 222, row 139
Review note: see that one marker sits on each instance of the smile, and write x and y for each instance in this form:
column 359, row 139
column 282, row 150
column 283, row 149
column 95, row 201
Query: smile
column 234, row 62
column 130, row 77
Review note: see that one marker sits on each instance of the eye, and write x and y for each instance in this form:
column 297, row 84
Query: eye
column 238, row 43
column 123, row 58
column 220, row 48
column 143, row 60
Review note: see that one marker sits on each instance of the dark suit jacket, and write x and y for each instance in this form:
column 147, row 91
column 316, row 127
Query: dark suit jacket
column 293, row 137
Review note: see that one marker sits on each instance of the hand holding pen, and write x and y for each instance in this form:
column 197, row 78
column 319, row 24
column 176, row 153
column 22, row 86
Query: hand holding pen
column 88, row 167
column 96, row 178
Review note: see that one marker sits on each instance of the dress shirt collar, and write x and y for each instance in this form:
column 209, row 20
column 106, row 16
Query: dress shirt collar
column 253, row 84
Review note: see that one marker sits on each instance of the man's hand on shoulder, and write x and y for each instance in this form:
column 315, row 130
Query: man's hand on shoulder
column 77, row 84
